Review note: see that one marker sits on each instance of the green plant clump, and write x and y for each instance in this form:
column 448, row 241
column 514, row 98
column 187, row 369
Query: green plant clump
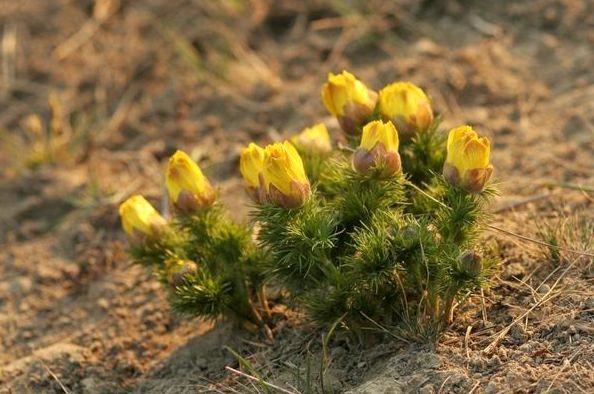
column 380, row 234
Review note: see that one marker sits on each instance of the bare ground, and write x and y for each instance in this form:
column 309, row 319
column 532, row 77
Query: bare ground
column 137, row 79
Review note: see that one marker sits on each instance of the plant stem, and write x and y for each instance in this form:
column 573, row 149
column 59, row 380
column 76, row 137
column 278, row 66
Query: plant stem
column 263, row 301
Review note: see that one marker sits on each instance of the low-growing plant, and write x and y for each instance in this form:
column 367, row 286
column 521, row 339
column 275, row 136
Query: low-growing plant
column 381, row 233
column 58, row 139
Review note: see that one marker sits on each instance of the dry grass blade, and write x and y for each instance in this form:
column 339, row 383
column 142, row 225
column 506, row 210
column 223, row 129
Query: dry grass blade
column 384, row 329
column 443, row 384
column 9, row 46
column 53, row 375
column 102, row 11
column 520, row 236
column 566, row 363
column 549, row 295
column 515, row 204
column 542, row 243
column 259, row 380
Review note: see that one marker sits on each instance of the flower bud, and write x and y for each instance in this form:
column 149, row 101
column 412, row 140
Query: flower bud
column 179, row 270
column 285, row 178
column 378, row 150
column 188, row 188
column 313, row 139
column 140, row 219
column 467, row 162
column 407, row 106
column 251, row 166
column 471, row 262
column 349, row 100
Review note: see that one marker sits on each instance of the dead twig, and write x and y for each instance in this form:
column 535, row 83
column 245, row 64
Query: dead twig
column 467, row 340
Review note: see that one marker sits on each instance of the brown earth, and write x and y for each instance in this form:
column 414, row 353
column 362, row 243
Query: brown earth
column 135, row 80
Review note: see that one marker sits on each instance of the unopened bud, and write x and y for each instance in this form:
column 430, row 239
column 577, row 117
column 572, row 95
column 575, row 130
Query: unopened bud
column 471, row 262
column 140, row 219
column 407, row 106
column 349, row 100
column 178, row 271
column 188, row 188
column 467, row 162
column 285, row 176
column 378, row 150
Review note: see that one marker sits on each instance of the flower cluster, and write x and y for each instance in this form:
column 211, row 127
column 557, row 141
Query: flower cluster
column 275, row 174
column 209, row 264
column 188, row 190
column 381, row 231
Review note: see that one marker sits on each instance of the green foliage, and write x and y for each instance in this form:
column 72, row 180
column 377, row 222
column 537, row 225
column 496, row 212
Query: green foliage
column 424, row 155
column 154, row 253
column 230, row 269
column 363, row 253
column 356, row 197
column 314, row 164
column 380, row 252
column 300, row 242
column 202, row 295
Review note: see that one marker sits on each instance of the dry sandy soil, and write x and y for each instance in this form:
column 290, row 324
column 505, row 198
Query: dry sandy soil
column 130, row 81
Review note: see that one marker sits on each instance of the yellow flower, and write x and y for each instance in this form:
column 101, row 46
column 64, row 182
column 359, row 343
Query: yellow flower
column 139, row 218
column 349, row 100
column 378, row 149
column 467, row 162
column 251, row 166
column 313, row 139
column 407, row 106
column 188, row 188
column 286, row 182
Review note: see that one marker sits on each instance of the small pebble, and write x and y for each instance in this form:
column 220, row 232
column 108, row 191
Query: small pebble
column 103, row 303
column 492, row 388
column 518, row 332
column 544, row 289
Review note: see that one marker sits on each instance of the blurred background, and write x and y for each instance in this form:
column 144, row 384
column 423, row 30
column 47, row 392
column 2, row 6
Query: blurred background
column 95, row 95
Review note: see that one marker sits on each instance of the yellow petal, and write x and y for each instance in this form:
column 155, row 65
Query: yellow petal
column 251, row 164
column 139, row 215
column 466, row 150
column 476, row 153
column 283, row 166
column 184, row 174
column 379, row 132
column 315, row 139
column 407, row 101
column 342, row 89
column 401, row 98
column 457, row 139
